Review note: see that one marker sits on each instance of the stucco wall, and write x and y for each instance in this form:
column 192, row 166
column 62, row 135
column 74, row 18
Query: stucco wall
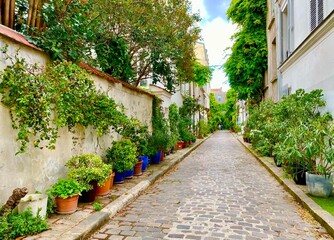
column 311, row 67
column 38, row 169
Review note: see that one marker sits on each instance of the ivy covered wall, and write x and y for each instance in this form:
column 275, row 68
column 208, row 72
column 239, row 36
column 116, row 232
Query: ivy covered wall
column 38, row 168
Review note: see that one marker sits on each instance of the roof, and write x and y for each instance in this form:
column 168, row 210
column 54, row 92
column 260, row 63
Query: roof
column 16, row 36
column 110, row 78
column 216, row 89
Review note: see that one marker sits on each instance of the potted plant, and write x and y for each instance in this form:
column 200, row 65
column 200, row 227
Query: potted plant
column 66, row 193
column 36, row 202
column 174, row 119
column 158, row 142
column 319, row 179
column 90, row 171
column 137, row 133
column 123, row 157
column 203, row 128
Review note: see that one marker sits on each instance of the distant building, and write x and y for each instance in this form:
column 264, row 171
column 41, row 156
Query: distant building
column 220, row 95
column 186, row 89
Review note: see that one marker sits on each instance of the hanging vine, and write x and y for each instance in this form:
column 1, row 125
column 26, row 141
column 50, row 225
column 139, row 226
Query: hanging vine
column 42, row 100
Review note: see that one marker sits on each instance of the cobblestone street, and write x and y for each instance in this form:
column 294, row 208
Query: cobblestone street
column 219, row 191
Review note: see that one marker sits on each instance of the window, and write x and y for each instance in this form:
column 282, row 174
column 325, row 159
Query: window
column 219, row 98
column 317, row 12
column 272, row 8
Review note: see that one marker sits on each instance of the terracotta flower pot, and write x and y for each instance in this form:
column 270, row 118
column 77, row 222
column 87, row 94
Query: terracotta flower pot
column 138, row 168
column 162, row 156
column 67, row 205
column 104, row 189
column 89, row 196
column 179, row 145
column 112, row 176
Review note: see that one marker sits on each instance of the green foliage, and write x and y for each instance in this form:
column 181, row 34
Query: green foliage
column 97, row 206
column 86, row 168
column 156, row 38
column 216, row 114
column 122, row 155
column 65, row 188
column 70, row 30
column 202, row 74
column 114, row 58
column 203, row 127
column 174, row 120
column 13, row 225
column 231, row 111
column 247, row 62
column 138, row 134
column 42, row 100
column 295, row 131
column 161, row 137
column 187, row 112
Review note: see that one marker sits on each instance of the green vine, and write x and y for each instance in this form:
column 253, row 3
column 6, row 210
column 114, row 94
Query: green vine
column 42, row 100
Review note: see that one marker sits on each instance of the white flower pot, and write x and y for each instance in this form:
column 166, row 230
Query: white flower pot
column 319, row 185
column 34, row 202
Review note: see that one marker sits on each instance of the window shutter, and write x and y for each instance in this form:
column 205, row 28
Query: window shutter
column 317, row 12
column 320, row 11
column 313, row 6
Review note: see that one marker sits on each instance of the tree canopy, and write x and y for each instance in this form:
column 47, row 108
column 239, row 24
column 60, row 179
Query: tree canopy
column 247, row 62
column 129, row 39
column 202, row 74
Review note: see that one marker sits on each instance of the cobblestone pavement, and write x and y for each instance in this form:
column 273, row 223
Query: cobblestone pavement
column 219, row 191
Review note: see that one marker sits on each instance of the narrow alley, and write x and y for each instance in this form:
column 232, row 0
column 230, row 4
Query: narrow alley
column 219, row 191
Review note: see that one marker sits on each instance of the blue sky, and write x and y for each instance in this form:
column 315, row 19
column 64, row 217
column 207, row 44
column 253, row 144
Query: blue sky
column 216, row 33
column 216, row 8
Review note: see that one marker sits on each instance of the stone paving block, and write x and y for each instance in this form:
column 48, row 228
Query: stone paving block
column 115, row 238
column 219, row 191
column 100, row 236
column 127, row 233
column 113, row 231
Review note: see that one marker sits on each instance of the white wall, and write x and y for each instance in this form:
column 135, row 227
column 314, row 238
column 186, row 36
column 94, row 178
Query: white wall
column 312, row 66
column 38, row 169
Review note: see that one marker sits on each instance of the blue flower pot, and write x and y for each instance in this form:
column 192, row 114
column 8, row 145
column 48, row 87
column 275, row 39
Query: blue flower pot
column 119, row 177
column 156, row 158
column 129, row 173
column 145, row 162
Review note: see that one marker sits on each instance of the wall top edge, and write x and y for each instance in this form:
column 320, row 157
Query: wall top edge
column 19, row 38
column 16, row 36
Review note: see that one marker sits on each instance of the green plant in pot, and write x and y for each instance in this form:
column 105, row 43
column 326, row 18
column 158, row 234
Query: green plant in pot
column 203, row 128
column 123, row 157
column 66, row 193
column 138, row 134
column 319, row 178
column 90, row 171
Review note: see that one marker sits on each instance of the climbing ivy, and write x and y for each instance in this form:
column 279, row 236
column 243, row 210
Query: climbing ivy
column 247, row 62
column 42, row 100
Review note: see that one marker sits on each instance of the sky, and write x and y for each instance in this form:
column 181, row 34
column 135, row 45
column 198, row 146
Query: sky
column 216, row 34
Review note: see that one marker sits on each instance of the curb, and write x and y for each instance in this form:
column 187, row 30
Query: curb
column 96, row 220
column 322, row 216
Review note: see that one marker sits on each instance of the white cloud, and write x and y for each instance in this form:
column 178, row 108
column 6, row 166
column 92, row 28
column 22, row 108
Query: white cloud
column 216, row 35
column 199, row 7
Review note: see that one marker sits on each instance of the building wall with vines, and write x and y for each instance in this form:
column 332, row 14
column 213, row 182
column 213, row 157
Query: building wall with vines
column 38, row 167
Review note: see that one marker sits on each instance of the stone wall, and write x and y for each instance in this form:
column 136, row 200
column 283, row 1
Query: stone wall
column 37, row 169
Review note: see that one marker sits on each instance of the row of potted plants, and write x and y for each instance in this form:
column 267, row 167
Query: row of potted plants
column 88, row 175
column 299, row 135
